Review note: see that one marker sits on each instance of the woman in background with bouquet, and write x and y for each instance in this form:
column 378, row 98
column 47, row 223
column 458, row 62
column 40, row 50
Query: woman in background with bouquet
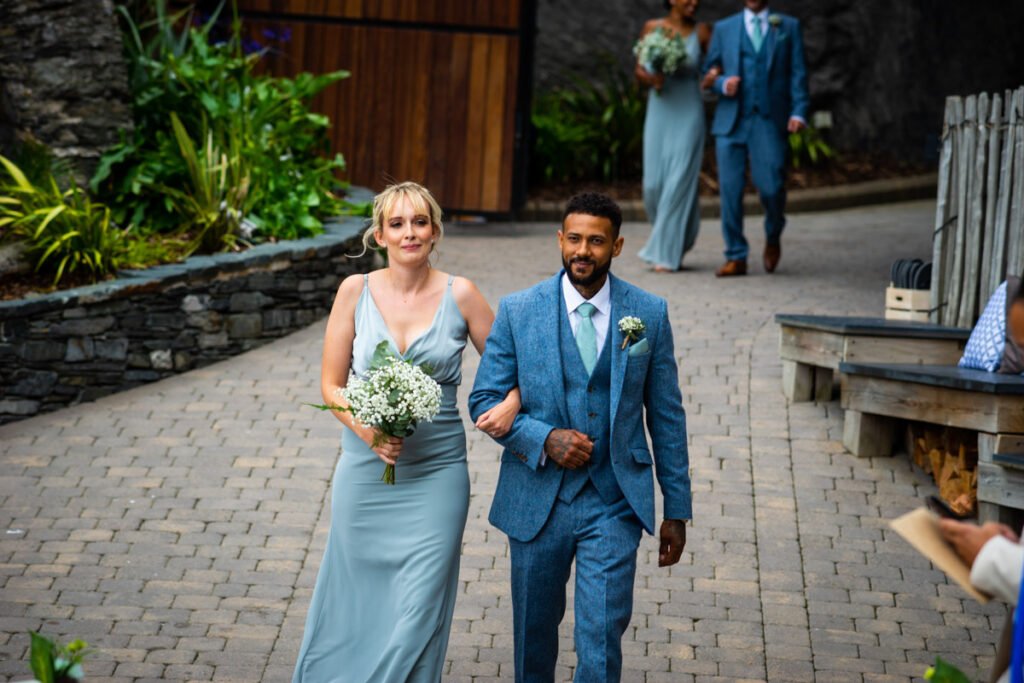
column 384, row 596
column 669, row 56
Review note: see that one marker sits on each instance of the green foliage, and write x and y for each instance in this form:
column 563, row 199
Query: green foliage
column 53, row 663
column 589, row 131
column 262, row 123
column 808, row 146
column 216, row 197
column 944, row 672
column 64, row 231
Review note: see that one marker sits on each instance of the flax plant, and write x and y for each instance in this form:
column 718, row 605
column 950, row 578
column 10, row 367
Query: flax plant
column 63, row 231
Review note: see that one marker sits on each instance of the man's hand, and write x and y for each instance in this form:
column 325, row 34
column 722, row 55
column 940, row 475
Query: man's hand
column 673, row 539
column 967, row 539
column 568, row 448
column 731, row 86
column 795, row 125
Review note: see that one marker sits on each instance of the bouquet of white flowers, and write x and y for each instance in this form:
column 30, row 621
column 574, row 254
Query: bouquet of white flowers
column 660, row 51
column 393, row 397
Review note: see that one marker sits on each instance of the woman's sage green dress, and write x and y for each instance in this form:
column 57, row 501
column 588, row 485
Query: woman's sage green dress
column 673, row 150
column 383, row 602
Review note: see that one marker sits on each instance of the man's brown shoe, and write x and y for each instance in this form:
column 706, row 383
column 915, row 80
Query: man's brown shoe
column 730, row 268
column 772, row 254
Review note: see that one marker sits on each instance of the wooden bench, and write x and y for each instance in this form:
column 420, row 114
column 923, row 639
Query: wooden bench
column 813, row 346
column 876, row 395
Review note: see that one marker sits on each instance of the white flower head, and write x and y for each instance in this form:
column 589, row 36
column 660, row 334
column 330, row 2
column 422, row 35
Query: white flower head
column 632, row 328
column 774, row 19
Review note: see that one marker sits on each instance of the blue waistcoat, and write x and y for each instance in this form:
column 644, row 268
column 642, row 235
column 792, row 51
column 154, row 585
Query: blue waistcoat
column 754, row 96
column 589, row 401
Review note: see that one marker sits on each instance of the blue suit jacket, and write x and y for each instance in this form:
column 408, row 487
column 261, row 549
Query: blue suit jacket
column 787, row 70
column 523, row 350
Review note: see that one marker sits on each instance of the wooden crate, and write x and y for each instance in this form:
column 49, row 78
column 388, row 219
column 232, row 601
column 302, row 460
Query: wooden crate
column 907, row 304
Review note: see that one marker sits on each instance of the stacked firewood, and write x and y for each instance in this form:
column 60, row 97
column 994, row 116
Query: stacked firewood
column 950, row 456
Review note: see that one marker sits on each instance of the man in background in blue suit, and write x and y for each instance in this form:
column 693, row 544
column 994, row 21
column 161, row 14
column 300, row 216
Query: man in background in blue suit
column 756, row 62
column 577, row 476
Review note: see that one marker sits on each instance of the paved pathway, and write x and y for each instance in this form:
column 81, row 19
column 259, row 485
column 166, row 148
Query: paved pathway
column 178, row 526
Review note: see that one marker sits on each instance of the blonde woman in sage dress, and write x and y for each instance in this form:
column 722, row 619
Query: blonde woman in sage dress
column 382, row 605
column 674, row 142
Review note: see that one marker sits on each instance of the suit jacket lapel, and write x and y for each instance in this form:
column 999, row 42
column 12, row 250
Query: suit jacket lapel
column 773, row 32
column 620, row 307
column 741, row 30
column 553, row 310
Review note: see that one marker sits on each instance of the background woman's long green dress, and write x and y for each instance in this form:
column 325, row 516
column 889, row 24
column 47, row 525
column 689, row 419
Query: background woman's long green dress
column 673, row 149
column 383, row 602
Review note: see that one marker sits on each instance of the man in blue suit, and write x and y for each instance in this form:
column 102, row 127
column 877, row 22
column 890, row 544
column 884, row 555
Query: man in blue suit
column 577, row 476
column 756, row 61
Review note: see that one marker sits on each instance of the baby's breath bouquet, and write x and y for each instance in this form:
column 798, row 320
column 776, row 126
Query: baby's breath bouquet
column 661, row 51
column 393, row 397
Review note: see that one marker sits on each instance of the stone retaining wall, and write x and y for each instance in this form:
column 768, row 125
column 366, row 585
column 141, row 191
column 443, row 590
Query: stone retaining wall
column 78, row 345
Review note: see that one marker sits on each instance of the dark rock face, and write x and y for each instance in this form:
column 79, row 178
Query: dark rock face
column 63, row 77
column 882, row 68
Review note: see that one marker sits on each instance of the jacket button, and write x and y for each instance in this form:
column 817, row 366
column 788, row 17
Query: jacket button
column 591, row 414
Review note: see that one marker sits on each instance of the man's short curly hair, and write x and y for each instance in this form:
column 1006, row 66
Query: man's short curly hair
column 595, row 204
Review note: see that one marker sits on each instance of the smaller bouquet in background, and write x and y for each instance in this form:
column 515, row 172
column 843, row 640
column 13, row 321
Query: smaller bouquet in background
column 660, row 51
column 392, row 398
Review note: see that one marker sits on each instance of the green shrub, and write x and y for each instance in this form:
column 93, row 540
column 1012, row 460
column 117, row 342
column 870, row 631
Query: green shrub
column 219, row 97
column 589, row 131
column 64, row 231
column 216, row 197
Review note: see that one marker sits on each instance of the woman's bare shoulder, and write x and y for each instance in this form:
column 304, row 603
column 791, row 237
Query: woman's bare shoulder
column 651, row 24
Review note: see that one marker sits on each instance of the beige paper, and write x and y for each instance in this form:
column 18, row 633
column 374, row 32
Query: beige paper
column 920, row 528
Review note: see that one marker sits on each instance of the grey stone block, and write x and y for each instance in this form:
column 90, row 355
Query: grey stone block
column 33, row 383
column 195, row 303
column 161, row 359
column 80, row 349
column 277, row 318
column 245, row 325
column 84, row 327
column 112, row 349
column 213, row 341
column 42, row 350
column 19, row 407
column 244, row 302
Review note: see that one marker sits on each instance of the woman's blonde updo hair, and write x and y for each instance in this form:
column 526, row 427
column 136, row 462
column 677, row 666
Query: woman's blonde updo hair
column 418, row 196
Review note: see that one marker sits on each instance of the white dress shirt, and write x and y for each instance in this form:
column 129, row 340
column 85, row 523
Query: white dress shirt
column 750, row 17
column 602, row 301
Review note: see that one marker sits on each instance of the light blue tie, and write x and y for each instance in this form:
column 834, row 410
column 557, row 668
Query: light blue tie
column 586, row 336
column 757, row 37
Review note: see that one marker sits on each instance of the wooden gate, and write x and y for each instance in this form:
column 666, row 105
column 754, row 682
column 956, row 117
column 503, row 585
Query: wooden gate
column 439, row 91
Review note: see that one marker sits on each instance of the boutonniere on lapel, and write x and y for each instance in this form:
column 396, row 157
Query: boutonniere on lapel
column 631, row 329
column 775, row 20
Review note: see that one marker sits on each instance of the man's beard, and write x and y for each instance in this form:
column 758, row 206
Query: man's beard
column 596, row 275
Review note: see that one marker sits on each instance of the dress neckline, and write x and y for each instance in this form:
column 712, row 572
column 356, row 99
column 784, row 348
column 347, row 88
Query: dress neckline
column 384, row 324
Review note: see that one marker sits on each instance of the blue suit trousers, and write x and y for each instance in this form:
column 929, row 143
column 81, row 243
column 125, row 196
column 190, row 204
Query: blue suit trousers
column 603, row 539
column 756, row 139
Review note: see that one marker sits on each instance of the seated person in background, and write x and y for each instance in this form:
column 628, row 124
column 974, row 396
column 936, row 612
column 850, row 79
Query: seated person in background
column 1013, row 354
column 996, row 558
column 997, row 340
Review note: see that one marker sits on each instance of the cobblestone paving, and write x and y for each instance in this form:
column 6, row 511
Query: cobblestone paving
column 178, row 527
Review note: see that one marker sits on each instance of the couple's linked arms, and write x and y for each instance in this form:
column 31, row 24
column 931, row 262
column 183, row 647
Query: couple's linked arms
column 728, row 85
column 497, row 375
